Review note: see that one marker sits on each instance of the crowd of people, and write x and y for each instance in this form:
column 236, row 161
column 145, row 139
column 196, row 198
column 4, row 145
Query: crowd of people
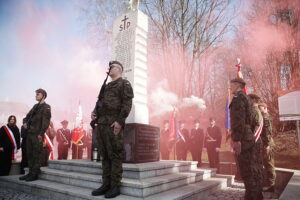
column 12, row 140
column 251, row 135
column 193, row 141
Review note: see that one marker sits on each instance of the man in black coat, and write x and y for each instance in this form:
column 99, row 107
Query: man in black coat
column 196, row 142
column 212, row 142
column 182, row 144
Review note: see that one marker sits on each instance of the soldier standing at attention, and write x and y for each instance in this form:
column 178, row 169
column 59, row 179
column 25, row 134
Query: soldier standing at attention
column 196, row 145
column 268, row 150
column 183, row 141
column 111, row 115
column 244, row 141
column 63, row 137
column 212, row 142
column 36, row 123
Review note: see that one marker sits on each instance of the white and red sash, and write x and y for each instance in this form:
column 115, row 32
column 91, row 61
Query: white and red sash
column 12, row 140
column 259, row 130
column 50, row 146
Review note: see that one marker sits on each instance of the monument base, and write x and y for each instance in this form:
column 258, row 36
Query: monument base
column 141, row 143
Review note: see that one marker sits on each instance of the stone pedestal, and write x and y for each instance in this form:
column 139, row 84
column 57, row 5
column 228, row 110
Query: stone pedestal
column 141, row 143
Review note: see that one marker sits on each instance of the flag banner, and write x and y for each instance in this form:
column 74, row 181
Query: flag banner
column 50, row 146
column 12, row 141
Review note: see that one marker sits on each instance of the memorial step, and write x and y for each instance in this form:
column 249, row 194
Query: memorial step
column 137, row 171
column 133, row 187
column 53, row 190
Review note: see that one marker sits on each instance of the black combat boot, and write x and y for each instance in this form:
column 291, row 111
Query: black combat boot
column 32, row 177
column 113, row 192
column 101, row 190
column 23, row 178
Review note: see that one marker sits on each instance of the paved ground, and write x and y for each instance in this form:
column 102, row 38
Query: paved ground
column 235, row 192
column 9, row 194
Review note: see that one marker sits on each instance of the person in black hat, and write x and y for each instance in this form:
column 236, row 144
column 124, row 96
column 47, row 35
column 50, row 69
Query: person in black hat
column 63, row 137
column 196, row 142
column 182, row 144
column 212, row 142
column 164, row 141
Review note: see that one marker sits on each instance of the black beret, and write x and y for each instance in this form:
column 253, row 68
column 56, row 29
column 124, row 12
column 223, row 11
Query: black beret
column 238, row 80
column 166, row 121
column 181, row 122
column 115, row 62
column 42, row 91
column 196, row 121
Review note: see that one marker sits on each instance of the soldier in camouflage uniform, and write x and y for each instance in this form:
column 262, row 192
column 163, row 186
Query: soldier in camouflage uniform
column 268, row 150
column 111, row 117
column 244, row 141
column 36, row 123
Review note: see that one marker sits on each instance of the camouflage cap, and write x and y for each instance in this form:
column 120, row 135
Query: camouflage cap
column 64, row 122
column 254, row 96
column 263, row 105
column 238, row 80
column 116, row 62
column 42, row 91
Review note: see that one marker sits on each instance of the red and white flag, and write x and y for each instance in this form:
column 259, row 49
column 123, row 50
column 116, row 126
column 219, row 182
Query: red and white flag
column 259, row 130
column 50, row 146
column 12, row 141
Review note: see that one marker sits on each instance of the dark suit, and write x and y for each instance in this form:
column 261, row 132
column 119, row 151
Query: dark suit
column 196, row 144
column 212, row 141
column 182, row 146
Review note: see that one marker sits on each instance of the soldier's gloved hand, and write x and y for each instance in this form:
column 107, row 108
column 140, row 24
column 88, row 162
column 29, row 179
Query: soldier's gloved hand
column 117, row 128
column 237, row 147
column 25, row 125
column 217, row 149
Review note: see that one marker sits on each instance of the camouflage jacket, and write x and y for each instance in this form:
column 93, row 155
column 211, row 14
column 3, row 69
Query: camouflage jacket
column 240, row 118
column 117, row 102
column 256, row 118
column 38, row 119
column 266, row 134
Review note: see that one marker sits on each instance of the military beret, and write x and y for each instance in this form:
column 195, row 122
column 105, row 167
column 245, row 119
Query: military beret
column 238, row 80
column 254, row 96
column 116, row 62
column 263, row 105
column 64, row 122
column 166, row 121
column 42, row 91
column 196, row 121
column 212, row 119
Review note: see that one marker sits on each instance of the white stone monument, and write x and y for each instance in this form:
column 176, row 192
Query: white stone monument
column 130, row 48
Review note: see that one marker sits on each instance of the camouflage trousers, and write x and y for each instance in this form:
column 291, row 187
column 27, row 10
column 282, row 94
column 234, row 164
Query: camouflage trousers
column 269, row 168
column 111, row 150
column 250, row 164
column 34, row 153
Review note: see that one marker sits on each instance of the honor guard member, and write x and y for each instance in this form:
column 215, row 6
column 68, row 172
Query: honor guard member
column 36, row 123
column 111, row 115
column 268, row 150
column 244, row 141
column 164, row 141
column 196, row 142
column 63, row 137
column 182, row 144
column 212, row 142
